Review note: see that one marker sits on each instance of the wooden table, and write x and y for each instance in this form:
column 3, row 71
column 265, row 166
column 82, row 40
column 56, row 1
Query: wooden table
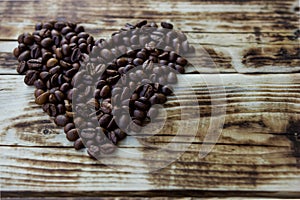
column 256, row 49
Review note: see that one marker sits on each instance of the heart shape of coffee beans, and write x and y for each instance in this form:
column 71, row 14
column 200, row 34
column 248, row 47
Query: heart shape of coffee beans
column 52, row 59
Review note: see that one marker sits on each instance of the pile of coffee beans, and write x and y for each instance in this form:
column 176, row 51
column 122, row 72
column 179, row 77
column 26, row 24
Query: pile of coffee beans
column 116, row 86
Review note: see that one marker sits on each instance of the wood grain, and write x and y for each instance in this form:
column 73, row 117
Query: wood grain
column 258, row 153
column 253, row 152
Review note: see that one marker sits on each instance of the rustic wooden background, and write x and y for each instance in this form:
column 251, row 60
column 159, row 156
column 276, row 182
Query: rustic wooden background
column 255, row 45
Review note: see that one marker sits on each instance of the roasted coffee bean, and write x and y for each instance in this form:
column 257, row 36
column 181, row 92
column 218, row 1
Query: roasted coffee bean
column 39, row 84
column 76, row 55
column 138, row 61
column 158, row 99
column 166, row 25
column 72, row 134
column 38, row 92
column 104, row 120
column 138, row 114
column 180, row 69
column 42, row 99
column 78, row 144
column 68, row 127
column 166, row 90
column 30, row 77
column 34, row 64
column 24, row 56
column 50, row 109
column 51, row 62
column 35, row 52
column 47, row 42
column 105, row 91
column 61, row 120
column 181, row 61
column 22, row 67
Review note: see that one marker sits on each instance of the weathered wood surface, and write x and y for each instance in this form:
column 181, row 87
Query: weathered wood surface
column 258, row 151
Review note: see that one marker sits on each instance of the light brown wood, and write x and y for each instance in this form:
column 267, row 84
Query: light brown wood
column 257, row 150
column 257, row 154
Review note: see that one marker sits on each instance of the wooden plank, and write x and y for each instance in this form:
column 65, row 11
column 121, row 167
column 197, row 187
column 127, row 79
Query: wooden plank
column 254, row 103
column 257, row 151
column 247, row 58
column 207, row 16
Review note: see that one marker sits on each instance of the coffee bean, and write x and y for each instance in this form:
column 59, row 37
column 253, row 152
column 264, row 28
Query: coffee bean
column 166, row 25
column 39, row 84
column 61, row 120
column 24, row 56
column 78, row 144
column 138, row 114
column 158, row 99
column 138, row 61
column 179, row 68
column 51, row 62
column 22, row 67
column 72, row 134
column 105, row 91
column 181, row 61
column 68, row 127
column 31, row 76
column 34, row 64
column 47, row 42
column 104, row 120
column 141, row 105
column 166, row 90
column 35, row 52
column 141, row 23
column 42, row 99
column 76, row 55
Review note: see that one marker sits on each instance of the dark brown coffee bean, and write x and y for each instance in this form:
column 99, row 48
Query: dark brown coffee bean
column 35, row 52
column 24, row 56
column 141, row 105
column 44, row 75
column 46, row 56
column 181, row 61
column 38, row 92
column 38, row 26
column 42, row 99
column 158, row 99
column 72, row 134
column 180, row 69
column 138, row 114
column 105, row 91
column 104, row 120
column 120, row 134
column 138, row 61
column 31, row 76
column 34, row 64
column 76, row 55
column 68, row 127
column 166, row 90
column 52, row 62
column 78, row 144
column 112, row 137
column 28, row 39
column 83, row 35
column 59, row 96
column 50, row 109
column 61, row 120
column 16, row 52
column 39, row 84
column 47, row 42
column 166, row 25
column 141, row 23
column 22, row 67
